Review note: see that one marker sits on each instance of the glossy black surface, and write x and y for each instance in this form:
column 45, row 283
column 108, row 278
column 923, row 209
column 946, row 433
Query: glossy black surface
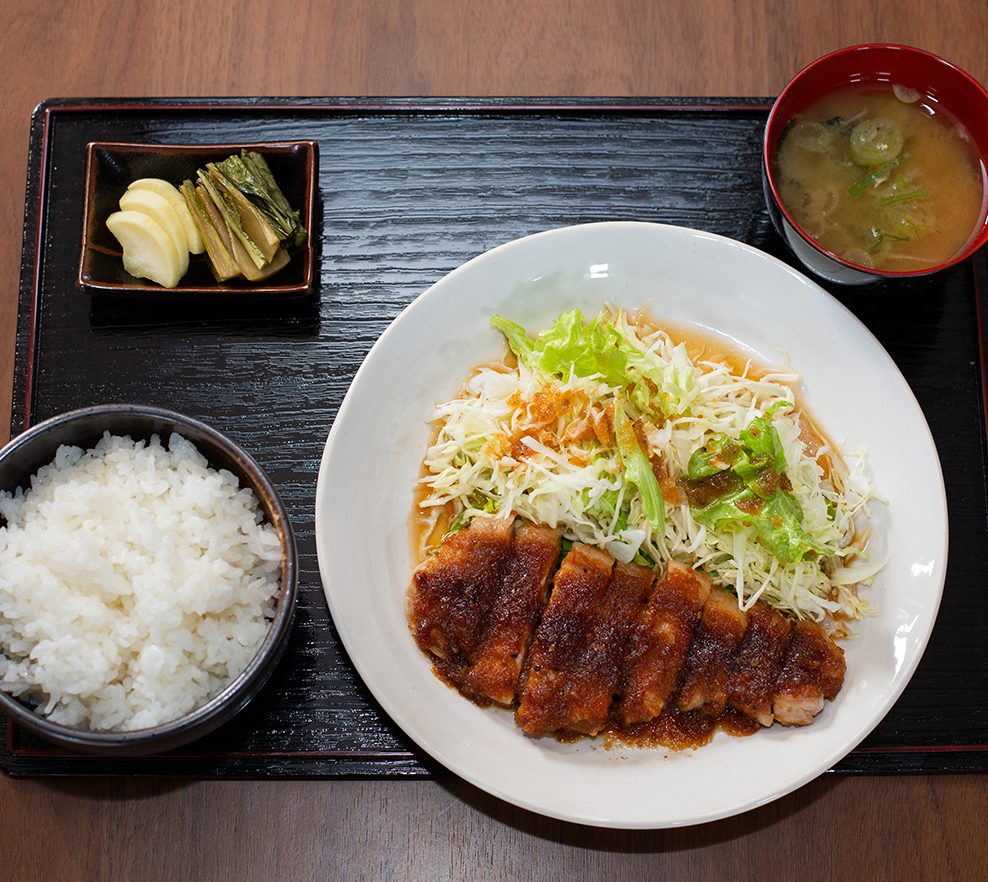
column 408, row 190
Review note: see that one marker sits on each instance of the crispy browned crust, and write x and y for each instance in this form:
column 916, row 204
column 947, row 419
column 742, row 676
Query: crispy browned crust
column 496, row 665
column 596, row 675
column 703, row 684
column 751, row 684
column 560, row 637
column 812, row 672
column 659, row 644
column 587, row 644
column 451, row 593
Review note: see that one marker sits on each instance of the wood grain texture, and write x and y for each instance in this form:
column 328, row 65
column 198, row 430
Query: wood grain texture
column 378, row 831
column 867, row 827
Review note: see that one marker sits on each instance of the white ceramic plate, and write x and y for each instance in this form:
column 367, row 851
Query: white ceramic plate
column 693, row 279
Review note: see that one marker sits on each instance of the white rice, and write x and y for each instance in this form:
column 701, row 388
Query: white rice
column 135, row 583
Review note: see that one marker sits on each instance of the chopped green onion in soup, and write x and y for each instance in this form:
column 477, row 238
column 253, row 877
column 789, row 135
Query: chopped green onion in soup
column 909, row 183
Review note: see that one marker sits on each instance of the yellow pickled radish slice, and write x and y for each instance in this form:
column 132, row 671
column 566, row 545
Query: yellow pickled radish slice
column 149, row 252
column 159, row 209
column 171, row 193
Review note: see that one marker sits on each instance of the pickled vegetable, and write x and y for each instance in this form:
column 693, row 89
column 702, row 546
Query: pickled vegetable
column 170, row 192
column 149, row 252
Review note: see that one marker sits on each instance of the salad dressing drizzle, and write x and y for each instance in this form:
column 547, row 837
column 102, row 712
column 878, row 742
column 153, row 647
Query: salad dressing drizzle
column 432, row 516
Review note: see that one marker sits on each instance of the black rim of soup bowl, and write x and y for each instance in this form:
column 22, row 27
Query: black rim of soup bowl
column 24, row 455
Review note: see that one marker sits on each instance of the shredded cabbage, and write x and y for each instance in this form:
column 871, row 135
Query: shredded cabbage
column 609, row 430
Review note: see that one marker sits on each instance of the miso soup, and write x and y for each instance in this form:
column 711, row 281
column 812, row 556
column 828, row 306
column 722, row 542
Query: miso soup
column 882, row 178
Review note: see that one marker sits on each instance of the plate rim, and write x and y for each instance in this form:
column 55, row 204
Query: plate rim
column 381, row 695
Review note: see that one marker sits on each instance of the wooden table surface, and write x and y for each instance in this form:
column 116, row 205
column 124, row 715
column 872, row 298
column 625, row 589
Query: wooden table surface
column 837, row 827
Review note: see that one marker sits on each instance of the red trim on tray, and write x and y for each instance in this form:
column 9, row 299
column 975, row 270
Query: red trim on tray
column 34, row 753
column 232, row 754
column 32, row 337
column 922, row 748
column 522, row 105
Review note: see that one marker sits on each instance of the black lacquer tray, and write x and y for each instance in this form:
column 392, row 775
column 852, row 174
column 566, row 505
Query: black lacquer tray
column 408, row 190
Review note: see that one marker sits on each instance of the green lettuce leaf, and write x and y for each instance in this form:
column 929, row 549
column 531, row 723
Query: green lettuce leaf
column 575, row 347
column 730, row 483
column 570, row 346
column 638, row 470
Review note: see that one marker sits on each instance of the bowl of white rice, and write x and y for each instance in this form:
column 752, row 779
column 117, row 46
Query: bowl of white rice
column 148, row 579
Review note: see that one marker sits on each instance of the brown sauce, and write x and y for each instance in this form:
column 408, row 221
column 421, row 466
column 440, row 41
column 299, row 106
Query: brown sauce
column 676, row 730
column 672, row 729
column 703, row 347
column 702, row 491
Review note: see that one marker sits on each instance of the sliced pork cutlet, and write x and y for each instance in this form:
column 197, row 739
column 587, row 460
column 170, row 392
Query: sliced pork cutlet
column 577, row 587
column 660, row 642
column 716, row 641
column 514, row 614
column 595, row 678
column 812, row 671
column 751, row 685
column 451, row 593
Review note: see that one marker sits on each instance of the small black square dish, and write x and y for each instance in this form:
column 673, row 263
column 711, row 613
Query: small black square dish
column 112, row 167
